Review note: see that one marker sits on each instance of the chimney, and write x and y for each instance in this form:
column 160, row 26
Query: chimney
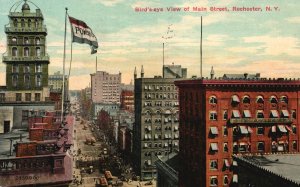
column 135, row 74
column 246, row 75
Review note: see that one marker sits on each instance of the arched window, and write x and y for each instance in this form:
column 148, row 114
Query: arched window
column 36, row 23
column 284, row 99
column 213, row 100
column 246, row 100
column 14, row 51
column 15, row 68
column 37, row 40
column 26, row 68
column 235, row 99
column 26, row 51
column 260, row 99
column 273, row 99
column 29, row 23
column 26, row 40
column 15, row 23
column 22, row 23
column 38, row 51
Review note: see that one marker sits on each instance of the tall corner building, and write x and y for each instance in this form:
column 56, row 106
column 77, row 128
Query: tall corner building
column 105, row 87
column 26, row 58
column 222, row 117
column 156, row 129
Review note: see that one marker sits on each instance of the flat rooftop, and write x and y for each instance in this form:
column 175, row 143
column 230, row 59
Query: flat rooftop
column 283, row 165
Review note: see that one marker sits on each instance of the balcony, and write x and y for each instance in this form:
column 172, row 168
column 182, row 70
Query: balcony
column 17, row 29
column 260, row 120
column 30, row 58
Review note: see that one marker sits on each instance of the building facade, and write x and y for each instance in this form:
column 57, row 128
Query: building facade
column 221, row 117
column 127, row 100
column 26, row 58
column 105, row 87
column 56, row 82
column 155, row 133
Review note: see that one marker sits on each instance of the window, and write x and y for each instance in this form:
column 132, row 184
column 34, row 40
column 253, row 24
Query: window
column 27, row 96
column 213, row 100
column 235, row 100
column 15, row 80
column 38, row 80
column 225, row 180
column 26, row 52
column 235, row 114
column 15, row 23
column 214, row 146
column 27, row 81
column 274, row 114
column 38, row 52
column 14, row 51
column 18, row 97
column 243, row 147
column 38, row 68
column 294, row 129
column 225, row 115
column 22, row 23
column 273, row 100
column 260, row 130
column 2, row 97
column 26, row 40
column 260, row 146
column 225, row 147
column 260, row 100
column 260, row 114
column 284, row 99
column 213, row 165
column 225, row 131
column 15, row 68
column 246, row 100
column 14, row 40
column 214, row 131
column 213, row 181
column 213, row 115
column 294, row 145
column 37, row 97
column 29, row 23
column 294, row 116
column 37, row 40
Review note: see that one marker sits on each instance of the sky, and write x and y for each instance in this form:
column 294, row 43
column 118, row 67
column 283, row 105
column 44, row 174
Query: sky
column 266, row 42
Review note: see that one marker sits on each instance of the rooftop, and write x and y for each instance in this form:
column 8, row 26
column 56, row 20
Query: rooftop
column 286, row 166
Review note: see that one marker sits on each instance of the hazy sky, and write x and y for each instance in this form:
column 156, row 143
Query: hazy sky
column 233, row 42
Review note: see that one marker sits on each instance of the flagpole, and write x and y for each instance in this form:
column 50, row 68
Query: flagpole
column 96, row 64
column 163, row 59
column 201, row 51
column 64, row 62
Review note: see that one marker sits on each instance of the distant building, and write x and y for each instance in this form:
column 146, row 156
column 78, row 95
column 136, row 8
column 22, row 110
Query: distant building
column 167, row 170
column 222, row 117
column 155, row 133
column 242, row 76
column 105, row 87
column 112, row 109
column 127, row 100
column 174, row 71
column 56, row 82
column 267, row 170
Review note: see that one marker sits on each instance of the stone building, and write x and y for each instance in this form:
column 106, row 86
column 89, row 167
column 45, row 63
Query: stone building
column 155, row 132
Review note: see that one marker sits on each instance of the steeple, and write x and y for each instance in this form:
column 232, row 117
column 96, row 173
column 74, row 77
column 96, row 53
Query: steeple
column 135, row 73
column 142, row 72
column 212, row 72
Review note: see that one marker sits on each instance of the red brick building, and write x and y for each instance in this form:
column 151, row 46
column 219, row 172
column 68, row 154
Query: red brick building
column 221, row 117
column 127, row 100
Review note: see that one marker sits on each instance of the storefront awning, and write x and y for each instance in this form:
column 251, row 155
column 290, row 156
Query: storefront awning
column 214, row 146
column 236, row 114
column 247, row 114
column 282, row 128
column 285, row 113
column 214, row 130
column 274, row 114
column 243, row 130
column 235, row 98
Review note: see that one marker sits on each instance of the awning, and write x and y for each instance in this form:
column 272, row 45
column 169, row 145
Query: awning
column 166, row 136
column 145, row 145
column 167, row 112
column 214, row 130
column 236, row 114
column 214, row 146
column 250, row 130
column 146, row 87
column 274, row 128
column 234, row 163
column 282, row 128
column 166, row 144
column 149, row 162
column 285, row 113
column 149, row 128
column 175, row 128
column 156, row 136
column 226, row 163
column 170, row 136
column 247, row 114
column 244, row 130
column 235, row 98
column 288, row 128
column 235, row 178
column 243, row 143
column 274, row 114
column 166, row 120
column 176, row 136
column 146, row 136
column 175, row 144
